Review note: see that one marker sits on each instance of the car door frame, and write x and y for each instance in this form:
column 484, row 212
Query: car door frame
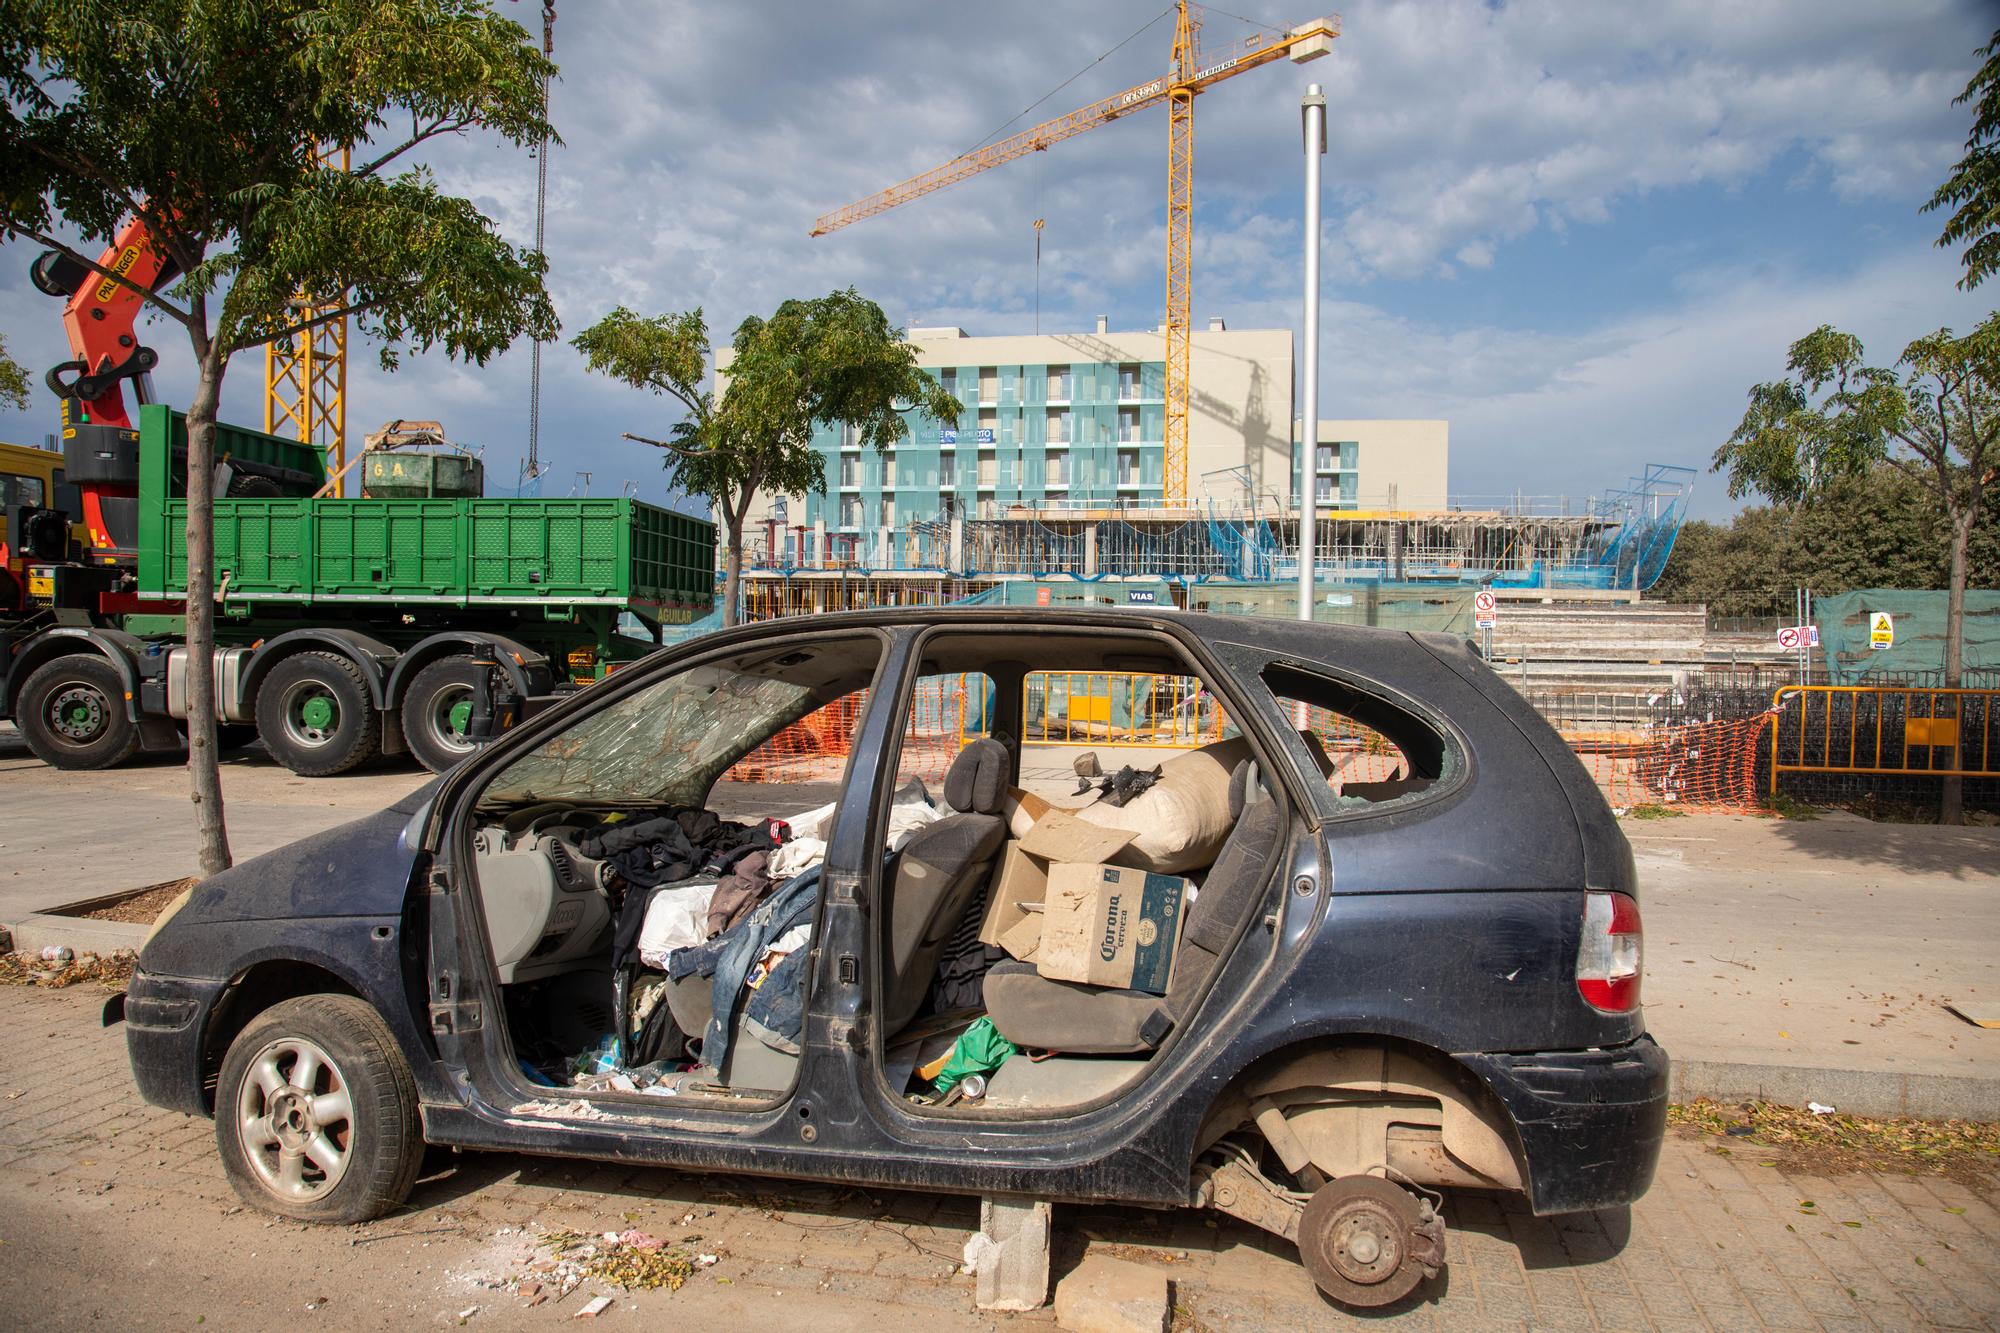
column 497, row 1109
column 1108, row 1148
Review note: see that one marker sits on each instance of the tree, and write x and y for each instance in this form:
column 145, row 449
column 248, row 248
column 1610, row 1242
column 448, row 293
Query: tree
column 1935, row 418
column 202, row 119
column 1972, row 190
column 834, row 361
column 13, row 379
column 1879, row 529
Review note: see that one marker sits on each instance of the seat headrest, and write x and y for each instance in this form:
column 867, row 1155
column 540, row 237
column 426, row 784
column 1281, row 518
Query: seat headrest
column 1245, row 788
column 977, row 780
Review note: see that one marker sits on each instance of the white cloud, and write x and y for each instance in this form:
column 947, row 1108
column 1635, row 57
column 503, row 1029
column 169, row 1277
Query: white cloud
column 1570, row 413
column 701, row 142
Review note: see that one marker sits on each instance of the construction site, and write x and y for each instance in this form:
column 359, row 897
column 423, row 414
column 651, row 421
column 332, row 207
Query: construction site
column 1131, row 821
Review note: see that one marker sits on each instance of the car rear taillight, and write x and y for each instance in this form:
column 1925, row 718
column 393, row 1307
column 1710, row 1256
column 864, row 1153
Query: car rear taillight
column 1609, row 960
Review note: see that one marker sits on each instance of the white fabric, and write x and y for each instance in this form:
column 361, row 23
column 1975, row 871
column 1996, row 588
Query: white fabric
column 808, row 845
column 676, row 918
column 796, row 855
column 792, row 940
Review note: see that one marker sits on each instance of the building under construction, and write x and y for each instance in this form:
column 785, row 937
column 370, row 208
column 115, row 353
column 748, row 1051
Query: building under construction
column 1237, row 557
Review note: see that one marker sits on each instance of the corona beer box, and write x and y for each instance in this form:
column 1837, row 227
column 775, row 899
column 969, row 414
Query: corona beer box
column 1111, row 926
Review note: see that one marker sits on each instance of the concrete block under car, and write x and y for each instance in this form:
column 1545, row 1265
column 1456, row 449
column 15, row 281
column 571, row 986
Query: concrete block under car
column 1013, row 1274
column 1112, row 1296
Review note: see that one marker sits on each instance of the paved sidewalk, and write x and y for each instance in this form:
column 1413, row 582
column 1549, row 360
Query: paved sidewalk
column 1825, row 944
column 114, row 1213
column 71, row 836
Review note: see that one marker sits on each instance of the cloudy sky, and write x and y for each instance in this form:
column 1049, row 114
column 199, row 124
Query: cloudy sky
column 1578, row 230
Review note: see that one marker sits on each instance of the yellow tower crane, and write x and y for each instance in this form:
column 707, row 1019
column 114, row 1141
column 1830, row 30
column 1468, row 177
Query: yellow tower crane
column 305, row 375
column 1193, row 71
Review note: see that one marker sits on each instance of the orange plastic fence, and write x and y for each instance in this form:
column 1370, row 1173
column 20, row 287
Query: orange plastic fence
column 1700, row 766
column 816, row 747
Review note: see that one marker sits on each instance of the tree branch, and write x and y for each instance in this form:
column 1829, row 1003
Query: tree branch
column 294, row 330
column 179, row 316
column 418, row 134
column 667, row 444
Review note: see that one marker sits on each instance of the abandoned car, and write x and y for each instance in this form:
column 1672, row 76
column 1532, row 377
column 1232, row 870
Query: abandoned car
column 1298, row 922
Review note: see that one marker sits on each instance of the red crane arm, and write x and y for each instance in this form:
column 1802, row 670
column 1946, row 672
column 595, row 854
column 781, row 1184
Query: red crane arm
column 101, row 317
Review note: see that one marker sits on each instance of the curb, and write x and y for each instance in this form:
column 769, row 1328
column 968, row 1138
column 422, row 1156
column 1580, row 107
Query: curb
column 39, row 930
column 1877, row 1092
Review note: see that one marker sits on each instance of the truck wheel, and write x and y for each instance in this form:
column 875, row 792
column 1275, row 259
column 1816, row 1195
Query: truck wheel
column 437, row 708
column 315, row 716
column 72, row 714
column 316, row 1112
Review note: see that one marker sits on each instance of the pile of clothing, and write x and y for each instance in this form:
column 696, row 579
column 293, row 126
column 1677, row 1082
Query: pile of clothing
column 729, row 903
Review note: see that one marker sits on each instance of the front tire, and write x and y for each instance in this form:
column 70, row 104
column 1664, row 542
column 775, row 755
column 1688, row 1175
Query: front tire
column 315, row 716
column 316, row 1112
column 71, row 712
column 436, row 710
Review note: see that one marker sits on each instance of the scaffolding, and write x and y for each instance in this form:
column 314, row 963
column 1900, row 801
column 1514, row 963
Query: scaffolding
column 1618, row 541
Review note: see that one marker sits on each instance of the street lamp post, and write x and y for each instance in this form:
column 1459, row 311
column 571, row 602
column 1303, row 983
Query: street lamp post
column 1312, row 114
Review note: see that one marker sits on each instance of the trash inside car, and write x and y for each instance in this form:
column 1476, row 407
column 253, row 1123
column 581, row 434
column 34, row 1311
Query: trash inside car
column 1301, row 923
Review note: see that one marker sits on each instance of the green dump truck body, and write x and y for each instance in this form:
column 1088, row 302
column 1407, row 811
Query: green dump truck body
column 450, row 552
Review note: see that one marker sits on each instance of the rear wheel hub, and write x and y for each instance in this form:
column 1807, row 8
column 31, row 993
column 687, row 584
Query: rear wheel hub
column 1368, row 1242
column 77, row 714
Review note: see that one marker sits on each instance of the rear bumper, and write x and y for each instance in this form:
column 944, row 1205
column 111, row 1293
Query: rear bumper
column 164, row 1020
column 1590, row 1122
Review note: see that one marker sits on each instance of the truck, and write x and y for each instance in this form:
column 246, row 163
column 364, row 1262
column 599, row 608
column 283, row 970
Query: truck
column 346, row 627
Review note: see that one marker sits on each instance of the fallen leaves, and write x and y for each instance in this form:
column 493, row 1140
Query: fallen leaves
column 1840, row 1142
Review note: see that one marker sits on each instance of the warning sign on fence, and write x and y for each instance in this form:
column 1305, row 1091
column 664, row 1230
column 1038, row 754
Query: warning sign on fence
column 1791, row 636
column 1881, row 630
column 1484, row 613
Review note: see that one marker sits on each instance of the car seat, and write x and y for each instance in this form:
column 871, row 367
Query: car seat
column 1034, row 1011
column 941, row 871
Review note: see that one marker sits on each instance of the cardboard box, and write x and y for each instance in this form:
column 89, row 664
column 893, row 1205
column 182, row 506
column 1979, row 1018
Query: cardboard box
column 1110, row 926
column 1013, row 909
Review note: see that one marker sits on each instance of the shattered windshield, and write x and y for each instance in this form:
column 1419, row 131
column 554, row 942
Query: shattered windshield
column 662, row 746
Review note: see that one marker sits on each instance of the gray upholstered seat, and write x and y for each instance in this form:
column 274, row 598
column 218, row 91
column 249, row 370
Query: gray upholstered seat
column 1032, row 1010
column 942, row 869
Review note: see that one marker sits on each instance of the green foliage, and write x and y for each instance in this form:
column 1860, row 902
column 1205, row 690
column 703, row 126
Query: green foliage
column 833, row 361
column 13, row 379
column 1829, row 420
column 1972, row 191
column 1934, row 418
column 203, row 119
column 1881, row 529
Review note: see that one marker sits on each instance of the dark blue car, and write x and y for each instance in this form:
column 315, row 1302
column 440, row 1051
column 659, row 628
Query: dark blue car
column 1298, row 922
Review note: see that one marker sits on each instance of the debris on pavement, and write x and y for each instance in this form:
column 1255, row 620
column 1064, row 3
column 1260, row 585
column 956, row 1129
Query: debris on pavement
column 1979, row 1015
column 1966, row 1150
column 63, row 969
column 548, row 1266
column 1818, row 1108
column 598, row 1305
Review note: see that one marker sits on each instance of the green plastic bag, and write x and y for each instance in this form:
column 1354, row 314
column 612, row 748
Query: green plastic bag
column 980, row 1049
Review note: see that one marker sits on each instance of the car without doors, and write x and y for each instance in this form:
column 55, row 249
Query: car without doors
column 1298, row 922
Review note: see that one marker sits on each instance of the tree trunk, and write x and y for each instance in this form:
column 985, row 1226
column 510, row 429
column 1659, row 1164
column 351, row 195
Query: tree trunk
column 204, row 776
column 1951, row 803
column 732, row 567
